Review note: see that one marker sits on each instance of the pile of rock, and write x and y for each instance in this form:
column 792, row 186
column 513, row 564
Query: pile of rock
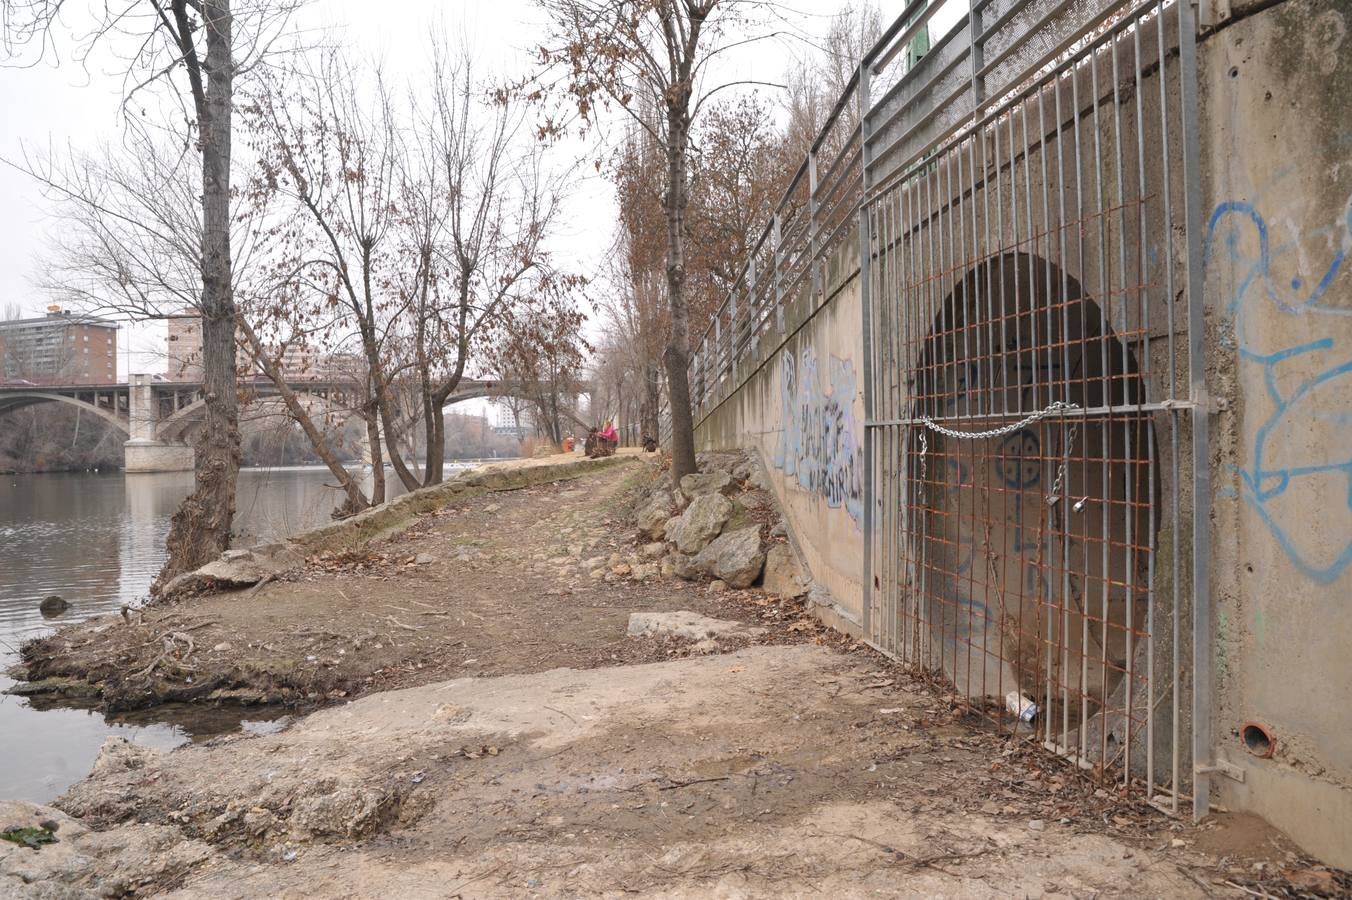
column 721, row 523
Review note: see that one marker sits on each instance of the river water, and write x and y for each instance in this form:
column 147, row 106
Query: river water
column 98, row 540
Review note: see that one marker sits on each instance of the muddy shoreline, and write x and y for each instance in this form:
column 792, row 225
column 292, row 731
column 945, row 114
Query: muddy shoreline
column 174, row 651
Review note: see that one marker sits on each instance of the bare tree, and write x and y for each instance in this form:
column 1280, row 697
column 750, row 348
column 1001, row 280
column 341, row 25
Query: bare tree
column 482, row 208
column 192, row 45
column 604, row 54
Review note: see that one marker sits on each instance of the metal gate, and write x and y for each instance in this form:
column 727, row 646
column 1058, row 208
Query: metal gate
column 1029, row 257
column 1025, row 195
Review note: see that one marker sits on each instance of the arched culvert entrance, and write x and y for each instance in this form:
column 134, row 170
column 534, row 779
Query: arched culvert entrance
column 1030, row 501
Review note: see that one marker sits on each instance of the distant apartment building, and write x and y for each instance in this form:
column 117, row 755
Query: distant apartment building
column 299, row 362
column 184, row 348
column 60, row 348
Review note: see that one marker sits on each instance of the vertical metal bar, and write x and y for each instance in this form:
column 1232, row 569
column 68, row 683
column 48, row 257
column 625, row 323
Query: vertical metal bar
column 977, row 58
column 865, row 302
column 1201, row 438
column 776, row 274
column 812, row 226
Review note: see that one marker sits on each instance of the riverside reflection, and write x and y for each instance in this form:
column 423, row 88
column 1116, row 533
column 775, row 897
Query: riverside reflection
column 97, row 540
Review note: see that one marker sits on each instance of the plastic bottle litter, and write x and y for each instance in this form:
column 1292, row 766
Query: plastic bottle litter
column 1021, row 706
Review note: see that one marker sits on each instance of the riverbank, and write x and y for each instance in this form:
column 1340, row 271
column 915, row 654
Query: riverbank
column 359, row 605
column 492, row 730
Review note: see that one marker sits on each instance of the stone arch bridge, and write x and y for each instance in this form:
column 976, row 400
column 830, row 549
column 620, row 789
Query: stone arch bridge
column 159, row 417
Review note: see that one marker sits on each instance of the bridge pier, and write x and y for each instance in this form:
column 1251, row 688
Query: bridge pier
column 143, row 452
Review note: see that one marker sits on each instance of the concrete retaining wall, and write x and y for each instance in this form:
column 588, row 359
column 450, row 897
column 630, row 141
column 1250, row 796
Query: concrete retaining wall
column 1277, row 155
column 802, row 410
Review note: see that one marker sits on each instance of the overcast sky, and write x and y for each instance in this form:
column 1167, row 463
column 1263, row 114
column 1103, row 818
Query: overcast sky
column 55, row 105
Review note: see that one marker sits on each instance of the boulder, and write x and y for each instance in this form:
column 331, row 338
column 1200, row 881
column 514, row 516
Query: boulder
column 736, row 557
column 683, row 566
column 239, row 568
column 783, row 575
column 701, row 483
column 718, row 462
column 53, row 605
column 701, row 522
column 750, row 500
column 689, row 625
column 653, row 516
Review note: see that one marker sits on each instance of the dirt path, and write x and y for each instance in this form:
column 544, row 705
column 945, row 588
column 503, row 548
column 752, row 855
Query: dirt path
column 489, row 584
column 535, row 750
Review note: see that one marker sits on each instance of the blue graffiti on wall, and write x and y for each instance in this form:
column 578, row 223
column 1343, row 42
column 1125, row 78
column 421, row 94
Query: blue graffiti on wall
column 819, row 442
column 1313, row 393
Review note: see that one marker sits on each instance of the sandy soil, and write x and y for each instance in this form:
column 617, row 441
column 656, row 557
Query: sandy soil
column 535, row 750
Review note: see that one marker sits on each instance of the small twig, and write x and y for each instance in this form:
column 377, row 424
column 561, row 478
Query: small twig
column 672, row 785
column 395, row 621
column 1206, row 889
column 560, row 712
column 267, row 579
column 454, row 891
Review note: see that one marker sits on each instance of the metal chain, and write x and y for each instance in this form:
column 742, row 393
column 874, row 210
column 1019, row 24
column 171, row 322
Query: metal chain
column 1053, row 407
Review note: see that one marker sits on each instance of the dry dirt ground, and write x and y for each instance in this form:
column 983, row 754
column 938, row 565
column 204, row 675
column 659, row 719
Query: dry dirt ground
column 535, row 750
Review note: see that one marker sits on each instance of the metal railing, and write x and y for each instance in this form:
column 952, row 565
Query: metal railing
column 1024, row 197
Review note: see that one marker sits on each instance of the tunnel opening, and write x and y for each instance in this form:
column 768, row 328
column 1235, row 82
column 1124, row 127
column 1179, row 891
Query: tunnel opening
column 1032, row 494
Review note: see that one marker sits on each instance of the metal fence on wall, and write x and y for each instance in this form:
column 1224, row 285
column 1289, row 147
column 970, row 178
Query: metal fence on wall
column 1024, row 198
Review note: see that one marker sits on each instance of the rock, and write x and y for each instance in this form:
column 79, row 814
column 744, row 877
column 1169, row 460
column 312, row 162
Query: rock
column 120, row 755
column 683, row 566
column 595, row 562
column 750, row 500
column 339, row 806
column 718, row 462
column 655, row 550
column 667, row 569
column 778, row 529
column 424, row 559
column 1037, row 825
column 643, row 571
column 622, row 569
column 760, row 479
column 653, row 515
column 59, row 685
column 689, row 625
column 736, row 557
column 53, row 605
column 743, row 470
column 698, row 484
column 239, row 568
column 718, row 586
column 86, row 865
column 783, row 575
column 701, row 522
column 597, row 574
column 492, row 507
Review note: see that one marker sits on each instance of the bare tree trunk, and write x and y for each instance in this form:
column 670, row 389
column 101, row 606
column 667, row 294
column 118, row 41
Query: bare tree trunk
column 200, row 530
column 356, row 499
column 651, row 401
column 377, row 455
column 677, row 354
column 392, row 434
column 436, row 445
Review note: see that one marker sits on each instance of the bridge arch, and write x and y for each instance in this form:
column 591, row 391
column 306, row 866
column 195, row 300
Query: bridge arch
column 33, row 398
column 176, row 426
